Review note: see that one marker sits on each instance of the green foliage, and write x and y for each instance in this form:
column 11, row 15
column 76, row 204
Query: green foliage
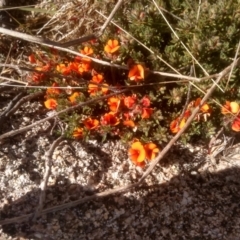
column 211, row 33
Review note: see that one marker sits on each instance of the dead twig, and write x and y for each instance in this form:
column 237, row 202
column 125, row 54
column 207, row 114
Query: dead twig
column 10, row 106
column 28, row 217
column 43, row 185
column 15, row 104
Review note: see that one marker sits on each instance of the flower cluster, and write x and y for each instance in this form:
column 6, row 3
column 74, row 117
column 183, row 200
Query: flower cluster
column 205, row 111
column 232, row 108
column 132, row 114
column 123, row 112
column 119, row 113
column 139, row 153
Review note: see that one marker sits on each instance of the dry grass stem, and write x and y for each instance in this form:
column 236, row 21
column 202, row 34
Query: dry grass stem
column 44, row 183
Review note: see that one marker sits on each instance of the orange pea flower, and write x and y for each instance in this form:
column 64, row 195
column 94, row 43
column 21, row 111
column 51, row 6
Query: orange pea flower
column 78, row 133
column 31, row 58
column 137, row 153
column 87, row 51
column 127, row 115
column 114, row 103
column 145, row 101
column 175, row 126
column 73, row 97
column 136, row 73
column 230, row 107
column 91, row 123
column 187, row 113
column 97, row 78
column 63, row 69
column 112, row 46
column 110, row 119
column 44, row 68
column 93, row 89
column 51, row 104
column 205, row 107
column 146, row 113
column 73, row 66
column 104, row 89
column 236, row 124
column 129, row 123
column 130, row 101
column 84, row 67
column 53, row 90
column 151, row 151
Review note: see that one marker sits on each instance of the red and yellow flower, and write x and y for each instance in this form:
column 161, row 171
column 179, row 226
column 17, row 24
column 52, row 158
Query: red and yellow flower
column 136, row 73
column 97, row 78
column 230, row 107
column 146, row 113
column 151, row 150
column 93, row 89
column 84, row 66
column 176, row 126
column 51, row 103
column 78, row 133
column 110, row 119
column 112, row 46
column 114, row 103
column 205, row 109
column 63, row 68
column 91, row 123
column 137, row 153
column 129, row 101
column 87, row 51
column 129, row 123
column 73, row 97
column 236, row 124
column 53, row 90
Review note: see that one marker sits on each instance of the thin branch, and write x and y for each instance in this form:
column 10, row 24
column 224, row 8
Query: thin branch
column 14, row 105
column 106, row 193
column 235, row 58
column 43, row 185
column 110, row 17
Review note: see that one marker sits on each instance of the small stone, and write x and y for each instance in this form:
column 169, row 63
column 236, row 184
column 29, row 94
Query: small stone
column 150, row 204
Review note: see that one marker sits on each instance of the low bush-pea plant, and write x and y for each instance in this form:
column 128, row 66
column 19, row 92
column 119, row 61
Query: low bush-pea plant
column 152, row 109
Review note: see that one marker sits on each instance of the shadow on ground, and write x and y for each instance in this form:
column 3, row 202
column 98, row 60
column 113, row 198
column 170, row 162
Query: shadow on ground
column 201, row 206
